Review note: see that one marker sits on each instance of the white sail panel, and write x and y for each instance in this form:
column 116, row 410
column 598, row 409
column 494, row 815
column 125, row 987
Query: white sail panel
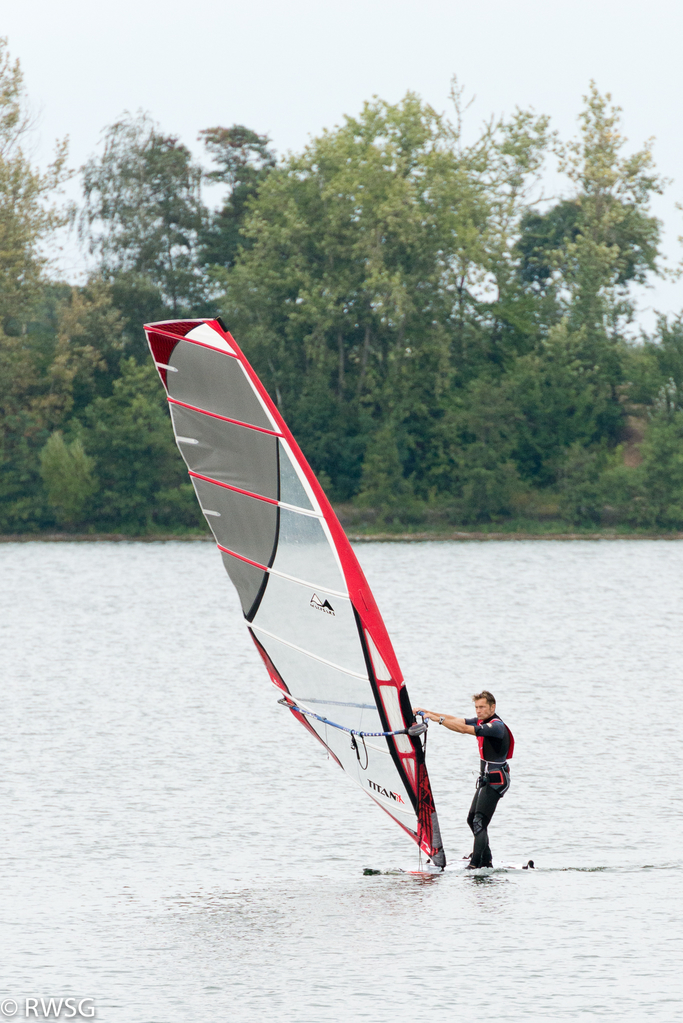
column 382, row 673
column 287, row 611
column 204, row 333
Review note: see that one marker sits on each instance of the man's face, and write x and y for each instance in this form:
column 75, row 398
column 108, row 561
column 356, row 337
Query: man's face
column 484, row 710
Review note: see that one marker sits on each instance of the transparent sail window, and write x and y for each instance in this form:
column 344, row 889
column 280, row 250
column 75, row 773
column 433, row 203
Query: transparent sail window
column 291, row 488
column 304, row 551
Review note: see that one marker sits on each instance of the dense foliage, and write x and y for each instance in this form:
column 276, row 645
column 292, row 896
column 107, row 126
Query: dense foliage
column 445, row 342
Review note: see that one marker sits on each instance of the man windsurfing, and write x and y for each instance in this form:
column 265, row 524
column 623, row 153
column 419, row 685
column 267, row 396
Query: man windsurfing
column 496, row 745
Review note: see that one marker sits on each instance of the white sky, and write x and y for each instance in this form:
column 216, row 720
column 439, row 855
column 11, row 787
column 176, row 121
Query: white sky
column 291, row 69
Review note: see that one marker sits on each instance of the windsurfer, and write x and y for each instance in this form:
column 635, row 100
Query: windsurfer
column 496, row 744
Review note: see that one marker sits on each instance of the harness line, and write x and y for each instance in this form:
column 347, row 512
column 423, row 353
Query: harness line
column 416, row 729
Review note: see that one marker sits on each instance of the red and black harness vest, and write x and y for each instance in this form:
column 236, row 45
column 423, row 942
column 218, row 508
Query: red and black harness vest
column 492, row 749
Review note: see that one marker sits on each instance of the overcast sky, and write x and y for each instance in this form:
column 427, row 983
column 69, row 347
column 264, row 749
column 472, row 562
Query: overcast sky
column 291, row 69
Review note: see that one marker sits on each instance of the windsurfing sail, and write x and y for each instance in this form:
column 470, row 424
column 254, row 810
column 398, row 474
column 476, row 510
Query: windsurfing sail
column 305, row 599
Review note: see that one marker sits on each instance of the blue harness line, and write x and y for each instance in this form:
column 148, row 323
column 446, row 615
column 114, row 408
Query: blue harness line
column 416, row 729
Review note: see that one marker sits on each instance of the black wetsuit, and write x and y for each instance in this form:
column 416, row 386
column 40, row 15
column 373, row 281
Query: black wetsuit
column 495, row 745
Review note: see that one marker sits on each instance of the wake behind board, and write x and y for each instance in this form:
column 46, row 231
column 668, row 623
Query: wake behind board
column 459, row 866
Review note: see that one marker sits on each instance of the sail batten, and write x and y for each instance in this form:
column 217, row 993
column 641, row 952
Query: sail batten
column 228, row 486
column 247, row 493
column 215, row 415
column 307, row 604
column 308, row 653
column 273, row 571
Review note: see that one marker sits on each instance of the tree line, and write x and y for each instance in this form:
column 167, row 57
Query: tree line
column 446, row 342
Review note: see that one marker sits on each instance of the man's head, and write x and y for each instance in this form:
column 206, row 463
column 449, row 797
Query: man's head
column 484, row 705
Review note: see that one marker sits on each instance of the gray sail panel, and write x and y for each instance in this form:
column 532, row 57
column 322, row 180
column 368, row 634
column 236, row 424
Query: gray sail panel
column 216, row 382
column 242, row 524
column 226, row 452
column 247, row 580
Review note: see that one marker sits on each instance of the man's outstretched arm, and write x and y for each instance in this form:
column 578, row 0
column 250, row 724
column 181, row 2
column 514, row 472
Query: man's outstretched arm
column 447, row 720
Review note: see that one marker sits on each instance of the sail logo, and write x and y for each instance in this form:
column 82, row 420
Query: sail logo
column 385, row 792
column 320, row 605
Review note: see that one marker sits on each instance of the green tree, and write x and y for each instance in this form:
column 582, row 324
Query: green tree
column 581, row 484
column 67, row 473
column 441, row 340
column 584, row 254
column 142, row 479
column 143, row 215
column 561, row 399
column 38, row 385
column 383, row 484
column 242, row 159
column 29, row 213
column 617, row 240
column 91, row 328
column 476, row 467
column 662, row 467
column 37, row 372
column 655, row 361
column 358, row 296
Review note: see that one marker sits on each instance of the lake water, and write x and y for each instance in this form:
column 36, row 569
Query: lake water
column 176, row 847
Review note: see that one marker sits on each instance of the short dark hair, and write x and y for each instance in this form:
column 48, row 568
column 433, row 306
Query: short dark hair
column 485, row 695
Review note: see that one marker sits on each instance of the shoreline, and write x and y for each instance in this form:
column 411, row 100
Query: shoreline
column 455, row 535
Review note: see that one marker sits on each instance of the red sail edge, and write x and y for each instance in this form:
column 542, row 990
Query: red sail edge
column 163, row 337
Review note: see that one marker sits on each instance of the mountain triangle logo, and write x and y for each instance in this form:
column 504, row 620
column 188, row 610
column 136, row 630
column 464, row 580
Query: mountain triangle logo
column 320, row 605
